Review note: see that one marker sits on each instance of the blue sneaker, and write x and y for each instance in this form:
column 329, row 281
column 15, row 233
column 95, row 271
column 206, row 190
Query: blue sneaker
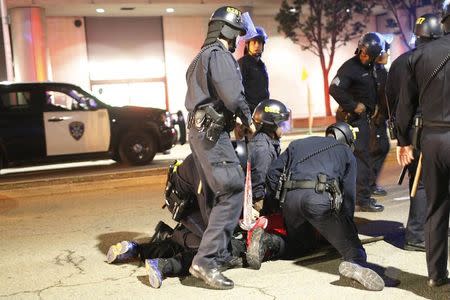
column 154, row 268
column 122, row 252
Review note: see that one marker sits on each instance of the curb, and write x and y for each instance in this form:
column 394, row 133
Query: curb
column 83, row 179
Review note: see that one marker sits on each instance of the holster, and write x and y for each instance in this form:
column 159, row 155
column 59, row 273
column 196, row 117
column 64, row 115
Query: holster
column 322, row 184
column 179, row 205
column 207, row 119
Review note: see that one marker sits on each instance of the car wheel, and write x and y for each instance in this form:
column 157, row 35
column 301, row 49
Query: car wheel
column 137, row 148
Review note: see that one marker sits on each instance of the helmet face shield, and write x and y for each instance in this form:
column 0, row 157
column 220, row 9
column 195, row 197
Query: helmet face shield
column 270, row 114
column 249, row 27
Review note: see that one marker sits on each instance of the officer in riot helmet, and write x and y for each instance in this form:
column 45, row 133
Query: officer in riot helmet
column 426, row 29
column 265, row 145
column 214, row 96
column 307, row 190
column 426, row 91
column 355, row 89
column 254, row 72
column 379, row 140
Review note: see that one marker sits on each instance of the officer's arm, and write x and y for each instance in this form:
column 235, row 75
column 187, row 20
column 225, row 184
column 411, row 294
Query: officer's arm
column 406, row 108
column 338, row 89
column 274, row 173
column 349, row 184
column 228, row 85
column 391, row 91
column 260, row 160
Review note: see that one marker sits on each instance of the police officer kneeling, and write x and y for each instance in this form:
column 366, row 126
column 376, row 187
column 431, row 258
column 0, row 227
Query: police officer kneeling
column 314, row 181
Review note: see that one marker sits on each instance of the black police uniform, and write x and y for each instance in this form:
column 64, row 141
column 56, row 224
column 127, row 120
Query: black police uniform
column 255, row 80
column 264, row 150
column 186, row 182
column 215, row 77
column 334, row 159
column 435, row 142
column 415, row 225
column 379, row 144
column 355, row 83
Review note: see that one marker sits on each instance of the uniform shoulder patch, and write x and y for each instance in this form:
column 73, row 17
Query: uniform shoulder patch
column 336, row 81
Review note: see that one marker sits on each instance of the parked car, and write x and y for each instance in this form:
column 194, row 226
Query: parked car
column 50, row 122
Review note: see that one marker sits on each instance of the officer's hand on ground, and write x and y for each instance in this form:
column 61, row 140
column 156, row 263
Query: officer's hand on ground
column 360, row 108
column 405, row 155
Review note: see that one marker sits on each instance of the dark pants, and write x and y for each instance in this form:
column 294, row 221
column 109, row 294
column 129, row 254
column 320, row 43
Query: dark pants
column 363, row 160
column 339, row 229
column 415, row 225
column 436, row 171
column 379, row 149
column 223, row 179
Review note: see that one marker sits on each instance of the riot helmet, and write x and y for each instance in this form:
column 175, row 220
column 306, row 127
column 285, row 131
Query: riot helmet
column 269, row 114
column 427, row 28
column 226, row 22
column 371, row 44
column 259, row 35
column 446, row 17
column 342, row 132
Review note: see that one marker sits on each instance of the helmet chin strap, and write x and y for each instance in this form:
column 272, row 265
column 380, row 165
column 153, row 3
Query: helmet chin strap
column 232, row 45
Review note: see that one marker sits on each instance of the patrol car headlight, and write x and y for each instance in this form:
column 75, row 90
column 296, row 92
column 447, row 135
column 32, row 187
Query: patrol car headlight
column 166, row 119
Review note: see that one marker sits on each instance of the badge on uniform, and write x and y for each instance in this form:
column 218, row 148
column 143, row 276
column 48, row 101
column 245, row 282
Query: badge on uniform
column 76, row 130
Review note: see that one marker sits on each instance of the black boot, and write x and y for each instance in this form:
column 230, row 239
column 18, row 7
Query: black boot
column 263, row 246
column 162, row 232
column 212, row 277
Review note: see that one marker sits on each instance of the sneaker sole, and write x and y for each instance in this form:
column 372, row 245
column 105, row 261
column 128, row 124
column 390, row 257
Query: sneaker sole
column 253, row 256
column 116, row 250
column 154, row 275
column 367, row 277
column 198, row 275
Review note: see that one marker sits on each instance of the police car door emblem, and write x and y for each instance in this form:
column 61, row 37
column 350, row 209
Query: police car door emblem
column 76, row 130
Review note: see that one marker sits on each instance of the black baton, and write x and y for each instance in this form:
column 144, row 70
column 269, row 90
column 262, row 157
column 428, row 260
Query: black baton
column 402, row 175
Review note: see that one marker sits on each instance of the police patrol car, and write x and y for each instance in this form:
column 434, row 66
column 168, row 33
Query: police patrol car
column 53, row 122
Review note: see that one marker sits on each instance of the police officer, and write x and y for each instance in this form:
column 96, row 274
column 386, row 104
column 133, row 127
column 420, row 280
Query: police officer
column 379, row 143
column 317, row 180
column 427, row 89
column 215, row 93
column 265, row 145
column 355, row 89
column 426, row 29
column 254, row 72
